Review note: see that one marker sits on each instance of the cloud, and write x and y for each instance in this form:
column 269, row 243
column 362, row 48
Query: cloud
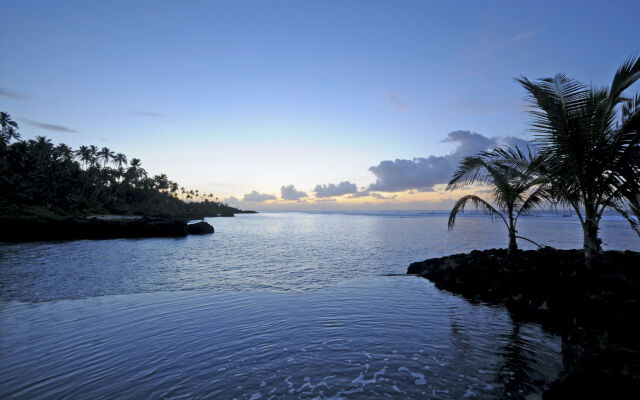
column 47, row 126
column 232, row 201
column 468, row 143
column 515, row 39
column 255, row 197
column 13, row 94
column 290, row 193
column 332, row 189
column 150, row 114
column 423, row 173
column 396, row 103
column 381, row 197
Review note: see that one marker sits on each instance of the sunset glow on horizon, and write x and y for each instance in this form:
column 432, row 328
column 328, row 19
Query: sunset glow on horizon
column 296, row 105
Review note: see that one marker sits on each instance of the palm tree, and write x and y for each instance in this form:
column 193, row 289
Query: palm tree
column 63, row 152
column 513, row 192
column 8, row 128
column 120, row 159
column 106, row 155
column 161, row 182
column 630, row 210
column 588, row 138
column 93, row 153
column 84, row 154
column 135, row 170
column 173, row 188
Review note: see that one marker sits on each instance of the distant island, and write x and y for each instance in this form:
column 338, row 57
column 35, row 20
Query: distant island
column 50, row 192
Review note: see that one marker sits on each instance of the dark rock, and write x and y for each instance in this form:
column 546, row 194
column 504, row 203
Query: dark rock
column 594, row 306
column 23, row 230
column 200, row 228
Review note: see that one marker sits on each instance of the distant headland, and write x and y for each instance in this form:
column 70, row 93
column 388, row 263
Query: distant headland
column 50, row 192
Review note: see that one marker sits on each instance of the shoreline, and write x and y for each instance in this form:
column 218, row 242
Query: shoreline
column 100, row 227
column 594, row 309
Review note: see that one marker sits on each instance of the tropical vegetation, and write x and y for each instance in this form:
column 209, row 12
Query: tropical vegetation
column 514, row 193
column 588, row 139
column 40, row 178
column 588, row 152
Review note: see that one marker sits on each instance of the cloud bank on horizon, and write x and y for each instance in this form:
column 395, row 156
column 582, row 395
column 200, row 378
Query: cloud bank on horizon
column 420, row 174
column 423, row 174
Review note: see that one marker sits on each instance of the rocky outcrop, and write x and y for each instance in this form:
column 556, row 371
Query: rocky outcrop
column 22, row 230
column 595, row 308
column 200, row 228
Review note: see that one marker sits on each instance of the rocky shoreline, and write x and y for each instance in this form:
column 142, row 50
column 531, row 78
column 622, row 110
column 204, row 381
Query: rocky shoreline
column 41, row 229
column 594, row 308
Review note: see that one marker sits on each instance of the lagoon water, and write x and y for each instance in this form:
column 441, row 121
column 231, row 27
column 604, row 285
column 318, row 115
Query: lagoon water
column 272, row 306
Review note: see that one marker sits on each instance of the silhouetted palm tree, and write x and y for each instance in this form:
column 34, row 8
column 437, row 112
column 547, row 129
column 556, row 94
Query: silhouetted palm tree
column 589, row 143
column 135, row 171
column 120, row 160
column 84, row 154
column 8, row 128
column 105, row 154
column 63, row 152
column 93, row 152
column 514, row 193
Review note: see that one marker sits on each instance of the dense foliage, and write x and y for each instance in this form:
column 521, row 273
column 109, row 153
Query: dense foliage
column 38, row 177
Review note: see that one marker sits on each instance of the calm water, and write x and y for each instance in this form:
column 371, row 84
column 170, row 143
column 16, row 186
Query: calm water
column 272, row 306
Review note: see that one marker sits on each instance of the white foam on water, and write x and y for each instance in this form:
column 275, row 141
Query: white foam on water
column 311, row 386
column 420, row 377
column 397, row 389
column 469, row 393
column 287, row 381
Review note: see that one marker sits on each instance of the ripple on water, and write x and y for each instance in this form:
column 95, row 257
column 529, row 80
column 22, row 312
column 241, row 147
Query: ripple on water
column 347, row 342
column 268, row 308
column 275, row 252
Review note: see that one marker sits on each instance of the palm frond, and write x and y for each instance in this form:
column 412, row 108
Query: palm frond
column 626, row 75
column 478, row 203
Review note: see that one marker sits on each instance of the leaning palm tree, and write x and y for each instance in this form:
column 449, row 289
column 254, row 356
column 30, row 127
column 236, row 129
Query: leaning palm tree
column 588, row 138
column 514, row 193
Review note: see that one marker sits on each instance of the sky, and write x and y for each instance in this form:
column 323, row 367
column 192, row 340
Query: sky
column 299, row 105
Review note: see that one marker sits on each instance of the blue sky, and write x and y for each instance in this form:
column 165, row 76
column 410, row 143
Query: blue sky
column 232, row 97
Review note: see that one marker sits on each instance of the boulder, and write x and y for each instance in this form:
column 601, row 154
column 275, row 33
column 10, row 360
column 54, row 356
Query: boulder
column 200, row 228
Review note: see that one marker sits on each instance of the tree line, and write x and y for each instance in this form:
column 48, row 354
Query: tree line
column 38, row 177
column 586, row 157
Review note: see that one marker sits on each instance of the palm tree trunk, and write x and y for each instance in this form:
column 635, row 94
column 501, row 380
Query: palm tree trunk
column 513, row 245
column 591, row 244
